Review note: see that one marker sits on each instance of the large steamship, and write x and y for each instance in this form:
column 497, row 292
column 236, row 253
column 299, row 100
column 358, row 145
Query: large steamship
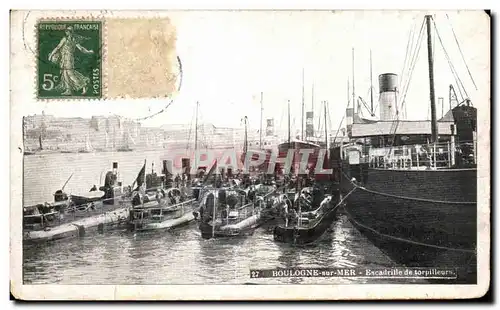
column 414, row 183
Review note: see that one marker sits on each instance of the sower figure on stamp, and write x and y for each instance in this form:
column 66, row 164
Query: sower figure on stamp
column 64, row 56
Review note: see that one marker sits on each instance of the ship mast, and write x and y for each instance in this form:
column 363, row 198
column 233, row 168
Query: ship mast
column 353, row 90
column 245, row 141
column 434, row 131
column 326, row 128
column 261, row 112
column 302, row 120
column 312, row 98
column 289, row 140
column 196, row 129
column 372, row 112
column 312, row 111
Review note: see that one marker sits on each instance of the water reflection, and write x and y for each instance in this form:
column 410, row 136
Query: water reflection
column 183, row 257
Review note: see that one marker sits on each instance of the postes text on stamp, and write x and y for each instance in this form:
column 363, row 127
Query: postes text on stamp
column 69, row 59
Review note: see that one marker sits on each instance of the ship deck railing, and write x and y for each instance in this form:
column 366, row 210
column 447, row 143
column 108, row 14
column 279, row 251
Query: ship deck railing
column 303, row 221
column 70, row 213
column 157, row 214
column 246, row 210
column 434, row 156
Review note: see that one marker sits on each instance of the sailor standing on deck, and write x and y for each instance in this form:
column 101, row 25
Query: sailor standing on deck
column 142, row 193
column 177, row 180
column 159, row 196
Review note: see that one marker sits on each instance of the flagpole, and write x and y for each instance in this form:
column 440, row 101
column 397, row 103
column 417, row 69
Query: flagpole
column 261, row 112
column 302, row 120
column 214, row 210
column 145, row 185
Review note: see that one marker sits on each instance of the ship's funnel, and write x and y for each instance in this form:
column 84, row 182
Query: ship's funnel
column 186, row 167
column 167, row 168
column 115, row 168
column 388, row 85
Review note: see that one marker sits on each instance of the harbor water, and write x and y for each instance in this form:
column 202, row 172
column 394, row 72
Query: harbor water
column 180, row 256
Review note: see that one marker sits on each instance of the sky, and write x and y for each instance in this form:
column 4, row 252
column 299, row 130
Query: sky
column 230, row 57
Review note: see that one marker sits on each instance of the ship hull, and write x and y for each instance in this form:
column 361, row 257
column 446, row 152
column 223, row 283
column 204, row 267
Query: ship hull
column 418, row 218
column 305, row 235
column 183, row 220
column 243, row 228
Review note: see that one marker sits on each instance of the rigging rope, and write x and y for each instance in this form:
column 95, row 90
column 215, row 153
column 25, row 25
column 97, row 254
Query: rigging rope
column 319, row 128
column 403, row 239
column 413, row 62
column 408, row 45
column 452, row 67
column 455, row 76
column 190, row 129
column 320, row 125
column 413, row 47
column 407, row 240
column 204, row 142
column 338, row 129
column 460, row 49
column 344, row 198
column 329, row 114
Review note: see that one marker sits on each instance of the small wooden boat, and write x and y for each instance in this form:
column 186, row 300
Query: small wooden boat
column 88, row 146
column 229, row 212
column 123, row 149
column 169, row 209
column 307, row 218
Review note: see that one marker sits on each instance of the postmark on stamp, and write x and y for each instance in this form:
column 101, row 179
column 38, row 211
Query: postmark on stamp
column 69, row 59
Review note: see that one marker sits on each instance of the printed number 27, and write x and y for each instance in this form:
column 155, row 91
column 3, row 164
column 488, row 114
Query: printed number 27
column 49, row 81
column 254, row 274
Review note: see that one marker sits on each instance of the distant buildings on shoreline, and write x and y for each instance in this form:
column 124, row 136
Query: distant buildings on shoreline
column 115, row 133
column 101, row 133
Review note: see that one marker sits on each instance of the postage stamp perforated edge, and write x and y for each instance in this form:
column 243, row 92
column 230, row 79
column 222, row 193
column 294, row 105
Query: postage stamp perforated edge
column 103, row 18
column 102, row 50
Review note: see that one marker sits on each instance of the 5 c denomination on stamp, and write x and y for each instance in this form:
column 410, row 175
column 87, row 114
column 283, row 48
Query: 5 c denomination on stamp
column 69, row 59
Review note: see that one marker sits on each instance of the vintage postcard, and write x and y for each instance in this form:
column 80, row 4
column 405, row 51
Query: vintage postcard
column 249, row 155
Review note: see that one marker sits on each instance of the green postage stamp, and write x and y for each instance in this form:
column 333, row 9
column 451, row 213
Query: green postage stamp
column 69, row 59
